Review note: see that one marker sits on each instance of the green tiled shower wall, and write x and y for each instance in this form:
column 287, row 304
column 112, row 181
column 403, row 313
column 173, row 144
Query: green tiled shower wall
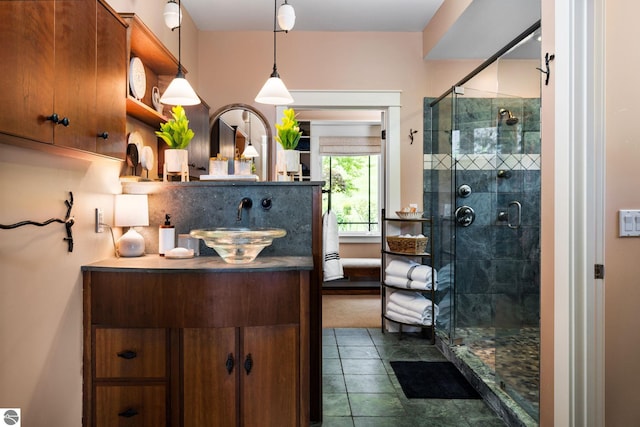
column 497, row 267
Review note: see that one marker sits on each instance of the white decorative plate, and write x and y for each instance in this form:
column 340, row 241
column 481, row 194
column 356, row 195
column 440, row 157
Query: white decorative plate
column 135, row 138
column 146, row 158
column 137, row 78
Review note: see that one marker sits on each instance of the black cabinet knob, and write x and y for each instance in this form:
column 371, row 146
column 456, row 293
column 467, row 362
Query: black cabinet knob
column 248, row 363
column 128, row 413
column 128, row 354
column 230, row 363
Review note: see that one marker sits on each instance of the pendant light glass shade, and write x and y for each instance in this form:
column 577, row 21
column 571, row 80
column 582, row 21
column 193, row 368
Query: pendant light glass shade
column 274, row 92
column 172, row 15
column 286, row 17
column 180, row 92
column 250, row 151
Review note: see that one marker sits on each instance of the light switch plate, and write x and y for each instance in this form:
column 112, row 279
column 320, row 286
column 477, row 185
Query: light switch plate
column 629, row 223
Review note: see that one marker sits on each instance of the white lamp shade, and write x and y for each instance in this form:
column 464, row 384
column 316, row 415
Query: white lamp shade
column 274, row 92
column 250, row 152
column 131, row 210
column 172, row 15
column 180, row 92
column 286, row 17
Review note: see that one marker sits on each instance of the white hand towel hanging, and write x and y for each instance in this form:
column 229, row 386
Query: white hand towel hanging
column 331, row 264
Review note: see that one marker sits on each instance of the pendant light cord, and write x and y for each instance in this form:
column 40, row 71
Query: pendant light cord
column 180, row 73
column 275, row 11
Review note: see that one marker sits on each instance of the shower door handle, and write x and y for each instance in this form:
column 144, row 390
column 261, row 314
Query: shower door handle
column 519, row 211
column 506, row 215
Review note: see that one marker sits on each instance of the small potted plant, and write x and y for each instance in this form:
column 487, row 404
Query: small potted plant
column 177, row 135
column 289, row 134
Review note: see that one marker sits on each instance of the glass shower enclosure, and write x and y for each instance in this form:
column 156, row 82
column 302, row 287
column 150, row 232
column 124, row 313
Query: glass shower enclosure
column 483, row 187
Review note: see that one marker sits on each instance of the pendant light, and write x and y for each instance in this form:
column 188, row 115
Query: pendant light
column 286, row 17
column 274, row 91
column 179, row 91
column 172, row 15
column 250, row 151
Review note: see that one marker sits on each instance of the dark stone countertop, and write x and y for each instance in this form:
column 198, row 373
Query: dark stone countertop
column 202, row 264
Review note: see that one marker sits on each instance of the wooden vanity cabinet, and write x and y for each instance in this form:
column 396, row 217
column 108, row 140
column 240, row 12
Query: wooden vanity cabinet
column 196, row 348
column 51, row 54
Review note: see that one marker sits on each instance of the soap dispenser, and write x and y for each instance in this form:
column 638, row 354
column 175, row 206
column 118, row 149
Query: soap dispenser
column 166, row 236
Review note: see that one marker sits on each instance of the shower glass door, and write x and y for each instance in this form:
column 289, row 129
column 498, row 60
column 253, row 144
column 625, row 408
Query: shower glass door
column 482, row 186
column 496, row 191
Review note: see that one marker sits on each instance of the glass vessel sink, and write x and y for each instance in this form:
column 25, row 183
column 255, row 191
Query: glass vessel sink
column 238, row 245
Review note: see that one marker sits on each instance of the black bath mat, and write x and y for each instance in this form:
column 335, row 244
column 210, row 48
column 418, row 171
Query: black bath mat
column 433, row 380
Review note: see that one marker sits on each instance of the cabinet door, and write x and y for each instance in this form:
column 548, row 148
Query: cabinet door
column 111, row 85
column 270, row 390
column 27, row 34
column 210, row 390
column 75, row 73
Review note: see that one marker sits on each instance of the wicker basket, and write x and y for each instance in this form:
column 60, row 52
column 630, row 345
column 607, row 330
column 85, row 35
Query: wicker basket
column 407, row 245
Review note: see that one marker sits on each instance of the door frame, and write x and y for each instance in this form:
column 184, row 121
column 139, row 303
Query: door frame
column 387, row 101
column 579, row 211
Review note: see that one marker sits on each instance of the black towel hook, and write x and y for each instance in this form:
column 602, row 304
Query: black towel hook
column 68, row 222
column 547, row 58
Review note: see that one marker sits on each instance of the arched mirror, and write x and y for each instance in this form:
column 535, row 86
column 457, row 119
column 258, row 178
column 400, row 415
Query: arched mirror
column 234, row 129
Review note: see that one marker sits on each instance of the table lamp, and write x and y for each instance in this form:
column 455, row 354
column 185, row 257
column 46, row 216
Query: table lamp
column 131, row 210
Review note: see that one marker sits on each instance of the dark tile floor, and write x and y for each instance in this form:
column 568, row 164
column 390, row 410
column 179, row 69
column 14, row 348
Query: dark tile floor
column 360, row 388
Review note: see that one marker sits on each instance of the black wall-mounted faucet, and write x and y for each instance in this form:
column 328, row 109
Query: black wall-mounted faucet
column 244, row 203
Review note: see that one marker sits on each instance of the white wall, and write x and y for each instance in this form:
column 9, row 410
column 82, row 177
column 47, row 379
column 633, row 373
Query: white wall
column 40, row 281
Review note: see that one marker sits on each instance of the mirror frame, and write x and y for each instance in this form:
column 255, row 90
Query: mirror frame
column 271, row 148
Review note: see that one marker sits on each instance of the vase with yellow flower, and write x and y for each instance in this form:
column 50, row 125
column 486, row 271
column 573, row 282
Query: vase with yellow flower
column 289, row 134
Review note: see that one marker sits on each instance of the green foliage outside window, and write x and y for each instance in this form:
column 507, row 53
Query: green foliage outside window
column 354, row 191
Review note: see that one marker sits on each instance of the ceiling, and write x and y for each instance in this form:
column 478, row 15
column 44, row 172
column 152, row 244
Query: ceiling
column 484, row 27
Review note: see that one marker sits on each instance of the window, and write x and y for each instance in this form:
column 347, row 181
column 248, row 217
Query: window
column 352, row 185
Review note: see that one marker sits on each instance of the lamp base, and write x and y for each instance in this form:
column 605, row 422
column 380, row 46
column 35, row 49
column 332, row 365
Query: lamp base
column 131, row 244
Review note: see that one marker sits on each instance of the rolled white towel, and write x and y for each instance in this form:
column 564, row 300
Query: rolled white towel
column 419, row 317
column 403, row 282
column 400, row 268
column 407, row 319
column 411, row 270
column 413, row 301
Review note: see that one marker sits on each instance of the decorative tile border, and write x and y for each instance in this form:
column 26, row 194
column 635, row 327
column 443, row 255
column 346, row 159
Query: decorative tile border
column 482, row 161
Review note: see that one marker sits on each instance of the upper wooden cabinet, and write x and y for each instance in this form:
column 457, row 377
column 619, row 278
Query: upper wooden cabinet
column 51, row 58
column 111, row 84
column 159, row 64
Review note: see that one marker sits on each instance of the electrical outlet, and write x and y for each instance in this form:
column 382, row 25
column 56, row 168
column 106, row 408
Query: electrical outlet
column 99, row 220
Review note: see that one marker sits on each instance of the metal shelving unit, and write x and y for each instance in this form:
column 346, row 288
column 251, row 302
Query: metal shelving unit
column 426, row 228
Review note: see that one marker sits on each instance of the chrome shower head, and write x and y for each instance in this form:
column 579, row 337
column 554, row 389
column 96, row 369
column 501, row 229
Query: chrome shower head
column 511, row 119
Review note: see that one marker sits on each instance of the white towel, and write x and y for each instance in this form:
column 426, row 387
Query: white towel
column 407, row 319
column 421, row 317
column 331, row 265
column 411, row 270
column 403, row 282
column 412, row 301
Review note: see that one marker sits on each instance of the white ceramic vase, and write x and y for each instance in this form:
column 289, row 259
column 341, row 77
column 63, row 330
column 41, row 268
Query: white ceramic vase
column 176, row 159
column 292, row 160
